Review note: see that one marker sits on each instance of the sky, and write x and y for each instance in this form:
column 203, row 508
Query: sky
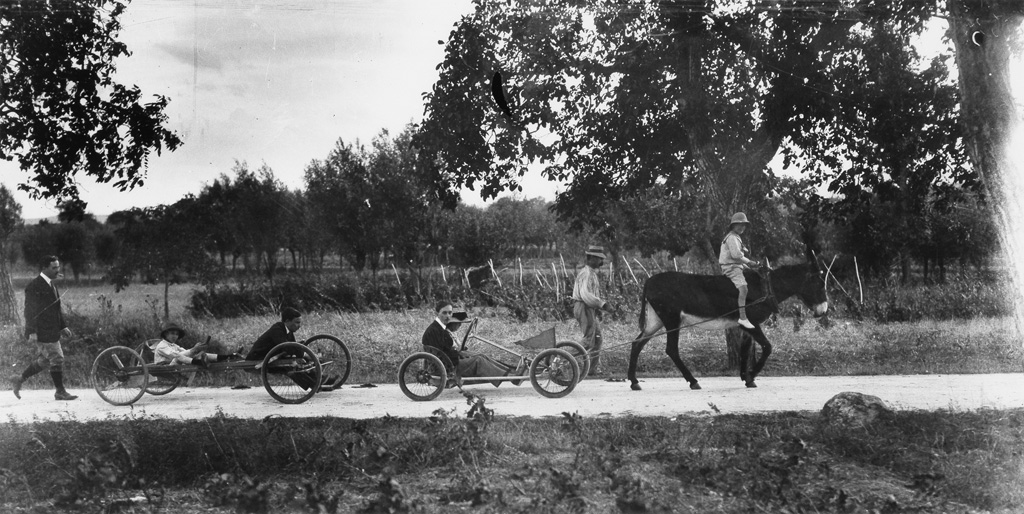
column 273, row 82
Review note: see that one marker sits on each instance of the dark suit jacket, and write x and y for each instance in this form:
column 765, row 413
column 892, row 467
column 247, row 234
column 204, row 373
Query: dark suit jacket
column 43, row 315
column 437, row 337
column 274, row 336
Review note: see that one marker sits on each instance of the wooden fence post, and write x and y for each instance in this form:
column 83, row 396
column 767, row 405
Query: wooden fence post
column 630, row 268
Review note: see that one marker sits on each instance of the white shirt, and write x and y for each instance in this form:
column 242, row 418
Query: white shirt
column 587, row 288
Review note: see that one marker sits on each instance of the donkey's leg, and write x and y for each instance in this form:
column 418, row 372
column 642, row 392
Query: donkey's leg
column 745, row 346
column 650, row 325
column 672, row 349
column 766, row 350
column 634, row 357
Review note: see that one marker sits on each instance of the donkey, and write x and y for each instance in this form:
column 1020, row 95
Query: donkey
column 672, row 299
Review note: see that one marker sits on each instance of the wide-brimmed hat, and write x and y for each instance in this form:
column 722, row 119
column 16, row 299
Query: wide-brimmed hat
column 739, row 217
column 172, row 326
column 596, row 251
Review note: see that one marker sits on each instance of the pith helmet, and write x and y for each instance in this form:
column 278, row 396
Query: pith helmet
column 596, row 251
column 739, row 217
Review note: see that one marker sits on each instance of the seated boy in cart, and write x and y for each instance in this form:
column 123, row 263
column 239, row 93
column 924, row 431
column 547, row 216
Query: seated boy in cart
column 167, row 350
column 440, row 336
column 282, row 332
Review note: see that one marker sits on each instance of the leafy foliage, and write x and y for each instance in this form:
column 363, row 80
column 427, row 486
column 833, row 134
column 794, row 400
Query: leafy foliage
column 618, row 97
column 61, row 112
column 162, row 245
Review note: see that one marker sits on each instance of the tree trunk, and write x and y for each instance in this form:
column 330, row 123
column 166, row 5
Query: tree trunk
column 8, row 301
column 167, row 295
column 734, row 338
column 986, row 36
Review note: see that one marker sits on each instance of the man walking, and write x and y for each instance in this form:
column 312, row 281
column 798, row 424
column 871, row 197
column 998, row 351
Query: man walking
column 44, row 327
column 586, row 295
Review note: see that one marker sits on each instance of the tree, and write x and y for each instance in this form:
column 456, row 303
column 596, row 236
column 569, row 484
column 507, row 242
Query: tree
column 616, row 97
column 883, row 171
column 335, row 201
column 247, row 215
column 10, row 221
column 373, row 201
column 987, row 34
column 61, row 113
column 160, row 243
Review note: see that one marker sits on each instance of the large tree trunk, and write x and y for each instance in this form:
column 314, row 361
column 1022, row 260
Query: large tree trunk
column 8, row 302
column 986, row 34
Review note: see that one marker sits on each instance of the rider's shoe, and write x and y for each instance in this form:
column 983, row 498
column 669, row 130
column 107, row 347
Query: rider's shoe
column 744, row 322
column 16, row 386
column 64, row 395
column 519, row 372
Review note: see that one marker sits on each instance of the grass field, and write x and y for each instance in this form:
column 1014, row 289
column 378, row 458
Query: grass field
column 379, row 341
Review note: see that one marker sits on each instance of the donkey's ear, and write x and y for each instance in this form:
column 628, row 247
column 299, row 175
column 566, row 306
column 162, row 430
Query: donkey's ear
column 811, row 257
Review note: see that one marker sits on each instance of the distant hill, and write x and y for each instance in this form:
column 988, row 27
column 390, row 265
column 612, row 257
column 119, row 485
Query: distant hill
column 53, row 219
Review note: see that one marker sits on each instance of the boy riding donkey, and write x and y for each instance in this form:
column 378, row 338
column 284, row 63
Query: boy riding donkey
column 732, row 258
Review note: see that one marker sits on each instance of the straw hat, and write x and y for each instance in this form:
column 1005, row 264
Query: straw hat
column 596, row 251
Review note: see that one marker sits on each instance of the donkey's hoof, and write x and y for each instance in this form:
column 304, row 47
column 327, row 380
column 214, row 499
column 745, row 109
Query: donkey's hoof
column 743, row 377
column 750, row 383
column 635, row 386
column 695, row 386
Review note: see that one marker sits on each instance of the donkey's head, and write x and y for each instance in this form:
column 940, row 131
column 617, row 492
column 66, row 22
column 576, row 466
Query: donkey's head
column 812, row 288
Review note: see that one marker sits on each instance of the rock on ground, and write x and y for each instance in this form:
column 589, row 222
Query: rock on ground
column 855, row 409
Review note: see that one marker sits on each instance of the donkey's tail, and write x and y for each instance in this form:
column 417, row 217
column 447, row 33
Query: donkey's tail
column 643, row 309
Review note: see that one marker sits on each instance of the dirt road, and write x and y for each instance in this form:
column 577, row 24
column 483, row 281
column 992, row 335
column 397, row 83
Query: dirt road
column 592, row 398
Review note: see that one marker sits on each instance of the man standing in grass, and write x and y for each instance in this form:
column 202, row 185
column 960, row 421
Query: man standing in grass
column 44, row 327
column 586, row 295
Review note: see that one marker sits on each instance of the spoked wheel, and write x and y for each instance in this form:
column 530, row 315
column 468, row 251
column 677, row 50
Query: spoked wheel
column 579, row 353
column 159, row 383
column 333, row 354
column 291, row 373
column 119, row 375
column 162, row 383
column 422, row 376
column 554, row 373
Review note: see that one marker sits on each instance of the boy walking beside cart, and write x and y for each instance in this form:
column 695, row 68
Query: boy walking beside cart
column 586, row 295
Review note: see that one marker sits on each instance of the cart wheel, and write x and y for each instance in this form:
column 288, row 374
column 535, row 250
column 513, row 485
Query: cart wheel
column 333, row 355
column 120, row 375
column 163, row 383
column 579, row 353
column 422, row 376
column 554, row 373
column 159, row 384
column 291, row 373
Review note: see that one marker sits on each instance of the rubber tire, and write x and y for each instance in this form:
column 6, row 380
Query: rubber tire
column 162, row 384
column 279, row 385
column 554, row 362
column 580, row 353
column 415, row 373
column 333, row 354
column 119, row 375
